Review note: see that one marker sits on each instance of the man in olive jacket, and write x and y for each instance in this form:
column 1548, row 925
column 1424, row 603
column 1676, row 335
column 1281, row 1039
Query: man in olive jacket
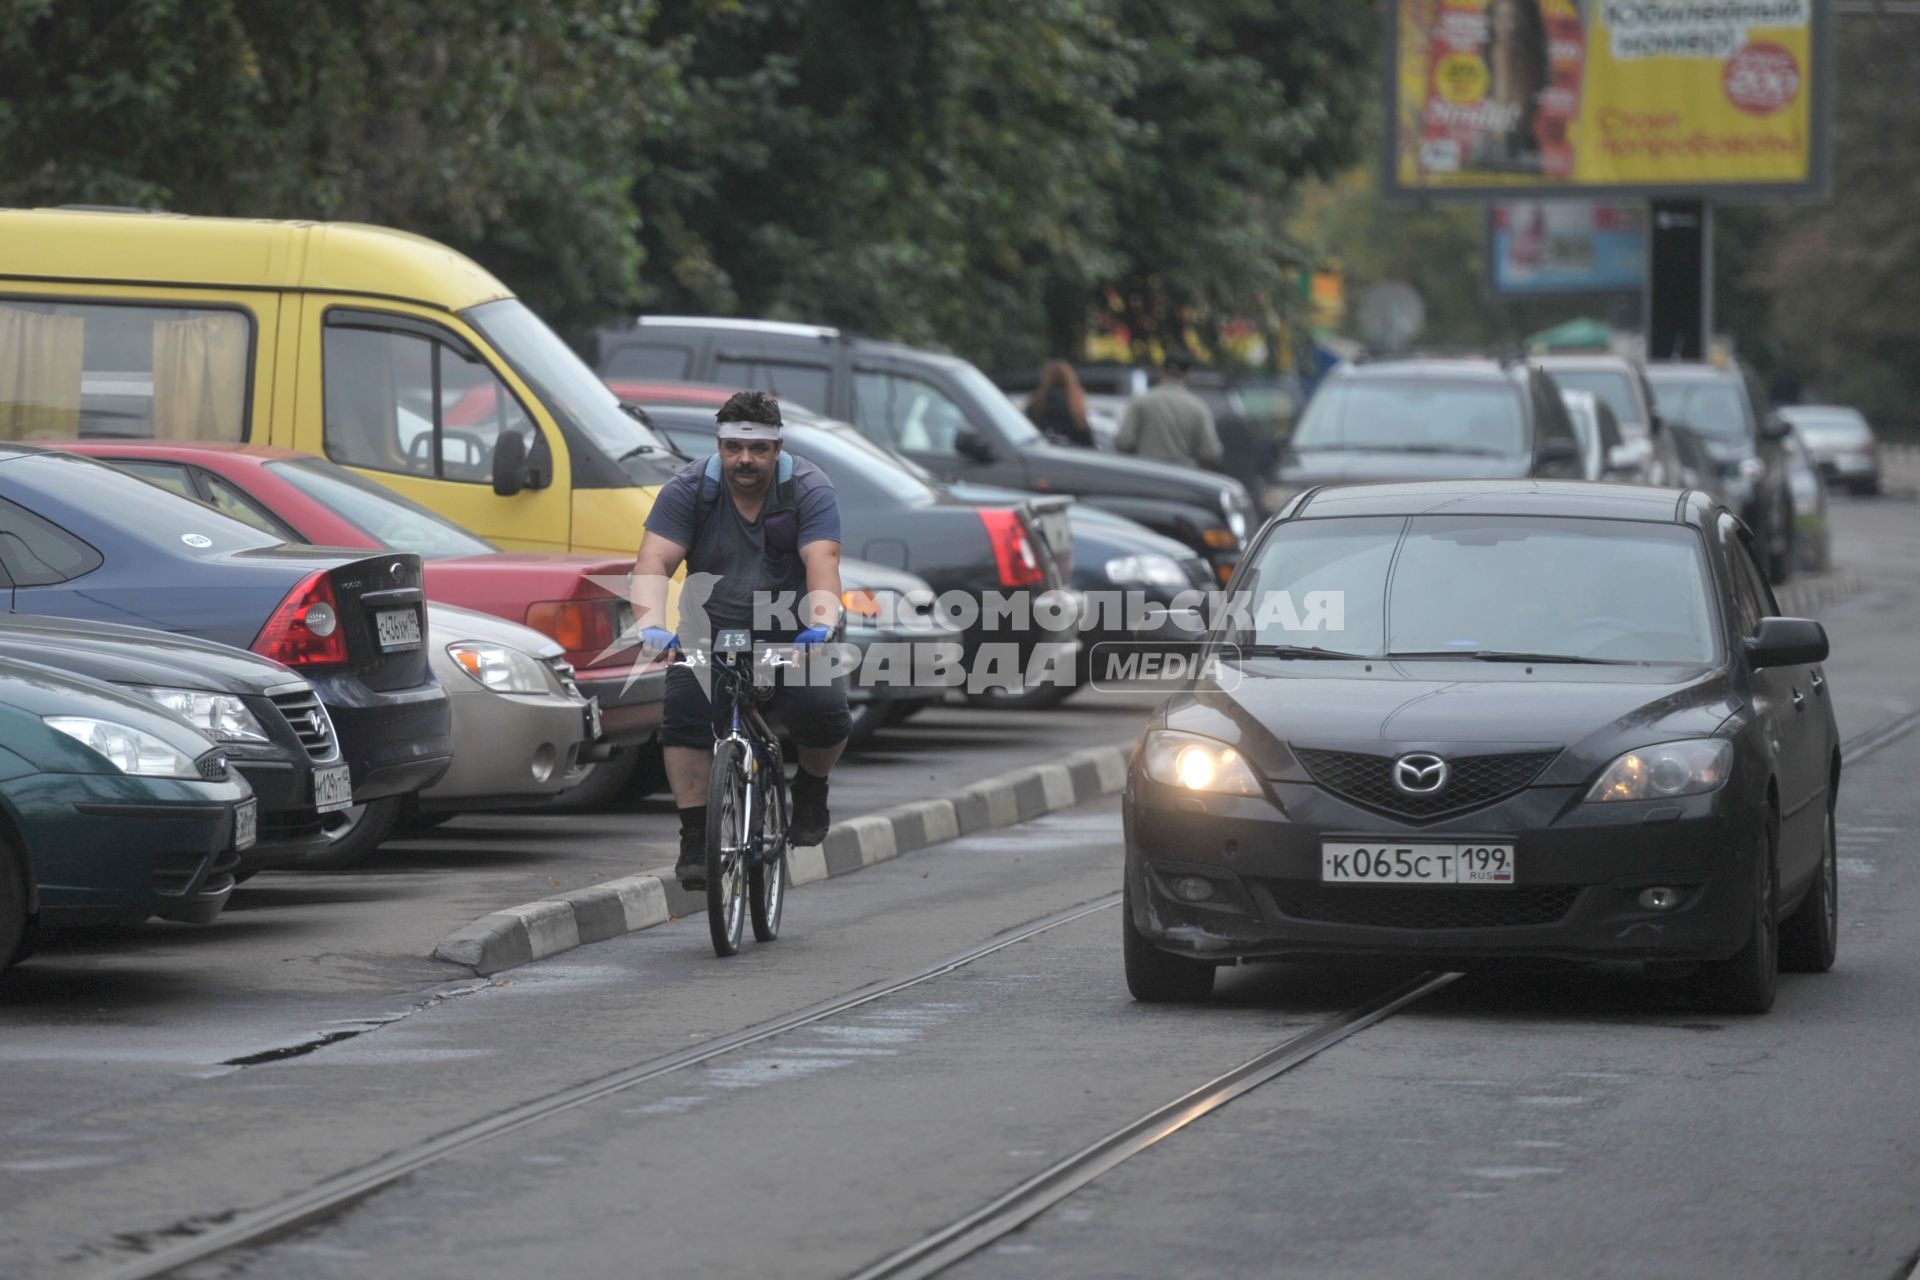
column 1170, row 423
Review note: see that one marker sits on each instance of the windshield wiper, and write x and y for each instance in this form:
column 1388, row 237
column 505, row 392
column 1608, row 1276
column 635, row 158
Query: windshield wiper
column 1507, row 655
column 1299, row 651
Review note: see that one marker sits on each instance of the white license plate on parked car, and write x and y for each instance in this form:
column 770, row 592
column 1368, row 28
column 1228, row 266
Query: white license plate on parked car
column 1380, row 862
column 332, row 788
column 398, row 628
column 246, row 824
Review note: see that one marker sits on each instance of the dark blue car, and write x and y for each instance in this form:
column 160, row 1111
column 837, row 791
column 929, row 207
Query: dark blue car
column 82, row 540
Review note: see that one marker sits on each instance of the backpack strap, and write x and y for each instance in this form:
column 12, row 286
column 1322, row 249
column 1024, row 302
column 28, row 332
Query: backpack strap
column 711, row 484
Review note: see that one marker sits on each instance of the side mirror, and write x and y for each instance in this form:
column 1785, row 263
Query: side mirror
column 1558, row 449
column 1775, row 427
column 1786, row 642
column 1656, row 424
column 509, row 463
column 971, row 446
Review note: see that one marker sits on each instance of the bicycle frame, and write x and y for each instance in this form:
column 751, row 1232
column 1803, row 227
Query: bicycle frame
column 761, row 749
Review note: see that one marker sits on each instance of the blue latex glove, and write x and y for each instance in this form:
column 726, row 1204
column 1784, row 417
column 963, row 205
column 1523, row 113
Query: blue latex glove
column 811, row 638
column 658, row 640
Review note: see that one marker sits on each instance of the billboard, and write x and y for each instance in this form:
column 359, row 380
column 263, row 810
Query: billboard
column 1566, row 246
column 1641, row 97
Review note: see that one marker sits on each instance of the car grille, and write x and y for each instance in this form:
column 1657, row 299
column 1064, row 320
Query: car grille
column 1437, row 907
column 563, row 672
column 309, row 721
column 212, row 766
column 1473, row 781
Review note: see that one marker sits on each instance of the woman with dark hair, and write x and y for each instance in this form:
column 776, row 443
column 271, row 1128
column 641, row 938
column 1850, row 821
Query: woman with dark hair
column 1059, row 407
column 1517, row 74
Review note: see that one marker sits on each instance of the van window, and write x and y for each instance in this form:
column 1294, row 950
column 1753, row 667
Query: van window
column 122, row 371
column 651, row 361
column 906, row 413
column 801, row 384
column 400, row 400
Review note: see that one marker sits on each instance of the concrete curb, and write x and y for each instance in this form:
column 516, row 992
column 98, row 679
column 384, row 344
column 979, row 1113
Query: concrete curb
column 1800, row 599
column 536, row 930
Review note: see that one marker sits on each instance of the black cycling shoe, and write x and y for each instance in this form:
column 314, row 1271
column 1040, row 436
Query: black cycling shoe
column 810, row 818
column 691, row 870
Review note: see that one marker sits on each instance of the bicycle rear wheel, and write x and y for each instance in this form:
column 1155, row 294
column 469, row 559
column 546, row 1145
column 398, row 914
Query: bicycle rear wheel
column 767, row 883
column 726, row 844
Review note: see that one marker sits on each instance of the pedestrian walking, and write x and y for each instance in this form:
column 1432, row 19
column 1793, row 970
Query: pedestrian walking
column 1170, row 423
column 1058, row 406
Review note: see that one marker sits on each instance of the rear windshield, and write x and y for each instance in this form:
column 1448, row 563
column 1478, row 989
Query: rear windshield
column 139, row 507
column 1612, row 590
column 1710, row 408
column 1606, row 384
column 379, row 512
column 1405, row 416
column 1829, row 424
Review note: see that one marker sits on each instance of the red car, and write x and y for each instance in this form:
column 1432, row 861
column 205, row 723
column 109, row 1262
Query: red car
column 307, row 499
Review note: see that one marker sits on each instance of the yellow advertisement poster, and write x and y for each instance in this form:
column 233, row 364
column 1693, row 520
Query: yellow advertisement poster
column 1579, row 96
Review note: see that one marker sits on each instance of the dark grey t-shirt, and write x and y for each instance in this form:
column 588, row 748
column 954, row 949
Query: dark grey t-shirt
column 744, row 557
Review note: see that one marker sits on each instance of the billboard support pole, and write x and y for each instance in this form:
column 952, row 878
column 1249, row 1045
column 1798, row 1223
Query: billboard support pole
column 1679, row 319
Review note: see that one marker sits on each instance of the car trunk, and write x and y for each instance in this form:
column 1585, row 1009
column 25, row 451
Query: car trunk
column 383, row 615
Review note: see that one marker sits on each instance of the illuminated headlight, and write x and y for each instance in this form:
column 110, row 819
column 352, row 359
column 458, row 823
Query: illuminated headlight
column 1669, row 769
column 501, row 669
column 220, row 716
column 127, row 749
column 1150, row 570
column 1194, row 763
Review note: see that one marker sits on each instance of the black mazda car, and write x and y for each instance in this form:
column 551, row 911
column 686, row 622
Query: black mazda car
column 1493, row 721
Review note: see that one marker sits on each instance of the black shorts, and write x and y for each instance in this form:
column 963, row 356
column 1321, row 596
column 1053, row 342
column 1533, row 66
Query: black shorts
column 814, row 715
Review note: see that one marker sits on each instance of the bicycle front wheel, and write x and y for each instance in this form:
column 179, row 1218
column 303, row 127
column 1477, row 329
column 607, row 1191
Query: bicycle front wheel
column 726, row 849
column 767, row 883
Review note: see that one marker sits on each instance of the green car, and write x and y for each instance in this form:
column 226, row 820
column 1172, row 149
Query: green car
column 112, row 810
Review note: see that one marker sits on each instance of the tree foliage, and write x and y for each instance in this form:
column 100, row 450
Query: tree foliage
column 980, row 175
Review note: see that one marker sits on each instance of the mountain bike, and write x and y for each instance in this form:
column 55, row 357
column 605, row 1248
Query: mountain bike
column 747, row 804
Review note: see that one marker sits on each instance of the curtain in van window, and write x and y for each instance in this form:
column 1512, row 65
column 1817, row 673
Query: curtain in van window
column 200, row 378
column 40, row 362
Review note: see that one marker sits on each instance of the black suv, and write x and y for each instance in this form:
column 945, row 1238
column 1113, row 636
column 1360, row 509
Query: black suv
column 1727, row 411
column 938, row 410
column 1430, row 418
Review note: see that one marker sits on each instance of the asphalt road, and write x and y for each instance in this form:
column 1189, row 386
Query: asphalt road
column 1588, row 1125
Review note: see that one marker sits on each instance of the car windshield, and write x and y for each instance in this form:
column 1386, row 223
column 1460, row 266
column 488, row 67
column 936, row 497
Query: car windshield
column 1605, row 384
column 1012, row 423
column 571, row 391
column 379, row 512
column 1712, row 408
column 1830, row 425
column 862, row 472
column 1475, row 586
column 1405, row 416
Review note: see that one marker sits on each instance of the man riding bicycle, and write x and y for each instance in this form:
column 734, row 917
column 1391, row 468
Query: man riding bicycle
column 755, row 523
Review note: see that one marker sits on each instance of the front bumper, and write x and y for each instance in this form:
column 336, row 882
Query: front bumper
column 118, row 849
column 396, row 741
column 631, row 699
column 514, row 748
column 1579, row 871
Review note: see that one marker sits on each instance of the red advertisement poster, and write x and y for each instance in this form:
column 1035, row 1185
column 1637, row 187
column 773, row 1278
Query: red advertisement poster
column 1503, row 87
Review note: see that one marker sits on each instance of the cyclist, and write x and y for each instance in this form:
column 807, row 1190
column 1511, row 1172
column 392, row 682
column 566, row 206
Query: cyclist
column 751, row 523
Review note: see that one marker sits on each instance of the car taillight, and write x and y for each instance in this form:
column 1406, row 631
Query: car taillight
column 1012, row 549
column 304, row 630
column 586, row 629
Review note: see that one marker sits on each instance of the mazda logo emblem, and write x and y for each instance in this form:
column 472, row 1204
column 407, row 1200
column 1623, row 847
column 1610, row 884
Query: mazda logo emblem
column 1420, row 774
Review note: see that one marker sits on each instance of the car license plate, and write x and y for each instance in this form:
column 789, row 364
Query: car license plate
column 398, row 628
column 333, row 788
column 1382, row 863
column 246, row 823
